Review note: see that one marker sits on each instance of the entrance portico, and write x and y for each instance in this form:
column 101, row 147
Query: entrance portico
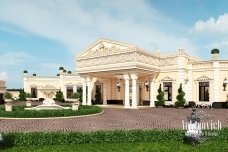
column 125, row 89
column 127, row 73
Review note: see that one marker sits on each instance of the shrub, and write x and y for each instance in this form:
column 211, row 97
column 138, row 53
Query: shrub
column 69, row 72
column 160, row 97
column 25, row 71
column 180, row 97
column 41, row 99
column 8, row 95
column 59, row 96
column 22, row 96
column 34, row 74
column 19, row 112
column 79, row 91
column 61, row 68
column 75, row 95
column 100, row 137
column 215, row 51
column 28, row 95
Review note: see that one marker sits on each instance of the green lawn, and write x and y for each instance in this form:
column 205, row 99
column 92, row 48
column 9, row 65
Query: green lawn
column 19, row 112
column 171, row 146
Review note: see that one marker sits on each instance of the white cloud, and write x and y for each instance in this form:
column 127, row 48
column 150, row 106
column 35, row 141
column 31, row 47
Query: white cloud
column 213, row 26
column 14, row 58
column 3, row 76
column 78, row 23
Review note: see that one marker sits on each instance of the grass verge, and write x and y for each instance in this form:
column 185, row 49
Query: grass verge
column 19, row 112
column 165, row 146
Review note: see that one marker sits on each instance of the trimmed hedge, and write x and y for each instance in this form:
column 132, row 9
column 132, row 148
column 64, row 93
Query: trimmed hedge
column 19, row 112
column 115, row 136
column 62, row 138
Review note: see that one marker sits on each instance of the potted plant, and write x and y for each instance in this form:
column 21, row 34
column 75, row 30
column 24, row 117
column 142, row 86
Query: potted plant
column 8, row 97
column 75, row 103
column 8, row 100
column 180, row 98
column 28, row 96
column 160, row 98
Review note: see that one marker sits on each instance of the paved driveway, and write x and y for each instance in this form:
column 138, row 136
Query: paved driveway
column 113, row 118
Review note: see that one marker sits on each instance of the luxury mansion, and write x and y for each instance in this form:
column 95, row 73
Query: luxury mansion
column 130, row 76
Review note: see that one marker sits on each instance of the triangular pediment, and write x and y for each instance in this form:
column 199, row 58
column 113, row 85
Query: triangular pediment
column 167, row 79
column 103, row 47
column 203, row 78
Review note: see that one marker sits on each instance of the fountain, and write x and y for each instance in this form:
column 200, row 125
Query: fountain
column 48, row 103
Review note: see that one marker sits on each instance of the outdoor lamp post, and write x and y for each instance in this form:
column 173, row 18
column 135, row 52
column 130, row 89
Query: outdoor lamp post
column 147, row 85
column 118, row 86
column 186, row 80
column 224, row 84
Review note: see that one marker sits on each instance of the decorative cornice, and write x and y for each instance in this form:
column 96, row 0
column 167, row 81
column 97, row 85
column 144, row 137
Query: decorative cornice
column 167, row 79
column 203, row 78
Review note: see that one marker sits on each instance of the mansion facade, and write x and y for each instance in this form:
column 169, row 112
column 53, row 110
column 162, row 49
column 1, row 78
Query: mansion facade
column 130, row 76
column 2, row 90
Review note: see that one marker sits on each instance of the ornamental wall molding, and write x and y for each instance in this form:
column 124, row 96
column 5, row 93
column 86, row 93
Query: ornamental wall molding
column 203, row 78
column 167, row 79
column 117, row 67
column 48, row 87
column 119, row 58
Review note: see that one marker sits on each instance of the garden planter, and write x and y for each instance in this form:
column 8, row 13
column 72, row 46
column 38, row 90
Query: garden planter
column 8, row 100
column 28, row 103
column 8, row 106
column 75, row 106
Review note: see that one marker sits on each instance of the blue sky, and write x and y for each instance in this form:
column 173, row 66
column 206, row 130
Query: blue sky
column 40, row 36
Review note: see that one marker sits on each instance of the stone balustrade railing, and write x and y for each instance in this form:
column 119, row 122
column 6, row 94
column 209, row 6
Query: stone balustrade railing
column 223, row 64
column 202, row 65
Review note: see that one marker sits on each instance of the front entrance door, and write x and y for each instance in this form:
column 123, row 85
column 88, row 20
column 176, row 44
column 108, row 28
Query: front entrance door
column 98, row 94
column 140, row 95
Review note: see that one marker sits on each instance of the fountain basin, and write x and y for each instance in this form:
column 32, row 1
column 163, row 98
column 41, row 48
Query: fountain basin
column 48, row 104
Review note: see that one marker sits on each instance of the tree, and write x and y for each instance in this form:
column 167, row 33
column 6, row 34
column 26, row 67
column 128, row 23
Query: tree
column 79, row 94
column 22, row 96
column 160, row 97
column 59, row 96
column 180, row 97
column 98, row 96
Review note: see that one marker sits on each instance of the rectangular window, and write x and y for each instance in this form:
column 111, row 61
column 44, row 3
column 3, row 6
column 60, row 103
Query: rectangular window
column 167, row 88
column 79, row 89
column 34, row 92
column 69, row 91
column 204, row 91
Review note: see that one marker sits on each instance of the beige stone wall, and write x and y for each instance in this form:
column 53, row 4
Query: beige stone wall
column 2, row 86
column 223, row 94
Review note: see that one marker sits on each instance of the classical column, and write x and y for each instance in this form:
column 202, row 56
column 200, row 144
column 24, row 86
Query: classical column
column 104, row 94
column 74, row 88
column 152, row 92
column 126, row 95
column 84, row 92
column 216, row 86
column 89, row 91
column 134, row 78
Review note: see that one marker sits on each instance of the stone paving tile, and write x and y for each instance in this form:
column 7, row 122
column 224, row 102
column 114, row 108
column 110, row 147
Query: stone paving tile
column 113, row 118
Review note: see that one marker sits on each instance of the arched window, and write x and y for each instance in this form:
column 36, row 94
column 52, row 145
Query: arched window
column 69, row 91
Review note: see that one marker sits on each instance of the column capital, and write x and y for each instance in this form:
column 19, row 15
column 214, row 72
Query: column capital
column 88, row 79
column 134, row 76
column 126, row 77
